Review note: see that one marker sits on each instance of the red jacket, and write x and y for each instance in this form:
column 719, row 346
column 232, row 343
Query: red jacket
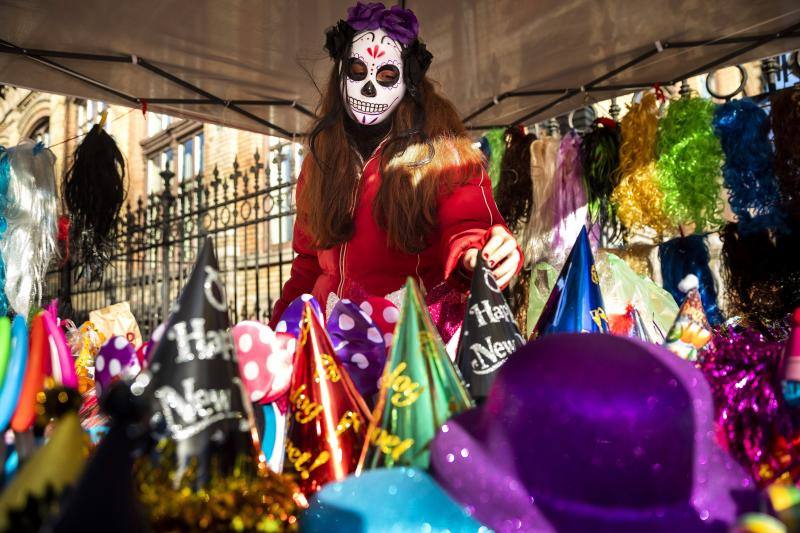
column 366, row 264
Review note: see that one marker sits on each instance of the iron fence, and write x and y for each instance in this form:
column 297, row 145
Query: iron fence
column 248, row 212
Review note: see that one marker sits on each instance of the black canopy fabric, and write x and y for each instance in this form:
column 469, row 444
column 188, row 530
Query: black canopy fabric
column 249, row 63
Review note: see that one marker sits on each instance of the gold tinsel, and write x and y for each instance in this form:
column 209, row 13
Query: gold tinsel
column 249, row 499
column 638, row 198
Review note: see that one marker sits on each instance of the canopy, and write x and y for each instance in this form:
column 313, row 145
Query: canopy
column 250, row 63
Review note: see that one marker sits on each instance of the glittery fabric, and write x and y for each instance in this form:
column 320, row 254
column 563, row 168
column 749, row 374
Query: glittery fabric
column 760, row 430
column 446, row 307
column 593, row 433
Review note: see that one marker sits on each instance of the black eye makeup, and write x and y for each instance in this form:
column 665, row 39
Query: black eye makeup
column 388, row 75
column 356, row 69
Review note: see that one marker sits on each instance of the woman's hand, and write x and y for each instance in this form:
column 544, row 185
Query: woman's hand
column 500, row 254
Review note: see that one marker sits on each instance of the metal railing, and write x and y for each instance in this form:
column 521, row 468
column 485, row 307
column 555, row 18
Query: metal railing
column 249, row 213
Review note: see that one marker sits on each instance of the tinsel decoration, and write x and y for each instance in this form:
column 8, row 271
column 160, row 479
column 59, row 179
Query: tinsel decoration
column 786, row 135
column 569, row 196
column 761, row 274
column 600, row 155
column 759, row 429
column 638, row 198
column 689, row 162
column 753, row 192
column 689, row 255
column 539, row 233
column 244, row 500
column 94, row 191
column 514, row 192
column 496, row 140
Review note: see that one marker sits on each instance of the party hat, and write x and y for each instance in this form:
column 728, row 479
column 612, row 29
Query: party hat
column 575, row 305
column 791, row 362
column 33, row 494
column 192, row 383
column 690, row 333
column 629, row 324
column 327, row 416
column 489, row 333
column 420, row 390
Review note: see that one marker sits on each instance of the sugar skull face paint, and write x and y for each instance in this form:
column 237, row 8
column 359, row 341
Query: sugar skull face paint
column 373, row 85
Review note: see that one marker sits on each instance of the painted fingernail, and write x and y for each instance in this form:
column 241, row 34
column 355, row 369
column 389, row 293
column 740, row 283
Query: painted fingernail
column 486, row 256
column 491, row 263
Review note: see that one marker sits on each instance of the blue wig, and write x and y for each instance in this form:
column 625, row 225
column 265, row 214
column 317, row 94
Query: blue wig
column 754, row 194
column 689, row 255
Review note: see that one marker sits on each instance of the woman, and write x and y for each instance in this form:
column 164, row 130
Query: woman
column 392, row 186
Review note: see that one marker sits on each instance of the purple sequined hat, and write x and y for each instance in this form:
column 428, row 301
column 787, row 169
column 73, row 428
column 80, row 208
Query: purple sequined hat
column 590, row 432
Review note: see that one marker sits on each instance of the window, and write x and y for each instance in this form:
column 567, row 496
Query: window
column 190, row 154
column 41, row 131
column 89, row 112
column 155, row 164
column 157, row 123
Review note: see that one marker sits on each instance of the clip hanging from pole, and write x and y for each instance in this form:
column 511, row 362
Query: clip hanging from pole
column 103, row 117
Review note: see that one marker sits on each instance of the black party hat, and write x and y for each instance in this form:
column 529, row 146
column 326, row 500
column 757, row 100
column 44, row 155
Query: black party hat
column 192, row 385
column 489, row 333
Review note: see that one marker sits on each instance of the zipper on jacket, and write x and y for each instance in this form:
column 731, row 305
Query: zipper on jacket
column 343, row 249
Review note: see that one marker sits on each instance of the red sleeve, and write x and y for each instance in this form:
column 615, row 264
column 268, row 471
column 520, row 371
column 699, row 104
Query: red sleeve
column 304, row 274
column 466, row 218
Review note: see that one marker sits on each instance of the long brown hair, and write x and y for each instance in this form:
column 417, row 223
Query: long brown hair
column 405, row 206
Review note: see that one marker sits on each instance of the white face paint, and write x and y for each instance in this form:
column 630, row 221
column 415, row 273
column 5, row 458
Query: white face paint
column 373, row 85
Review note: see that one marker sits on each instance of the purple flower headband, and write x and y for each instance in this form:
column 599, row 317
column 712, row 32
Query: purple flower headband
column 398, row 23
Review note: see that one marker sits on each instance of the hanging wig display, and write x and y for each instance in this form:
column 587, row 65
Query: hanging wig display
column 600, row 155
column 569, row 196
column 638, row 198
column 5, row 177
column 514, row 194
column 753, row 192
column 761, row 273
column 539, row 232
column 94, row 191
column 29, row 243
column 689, row 255
column 689, row 162
column 786, row 132
column 496, row 139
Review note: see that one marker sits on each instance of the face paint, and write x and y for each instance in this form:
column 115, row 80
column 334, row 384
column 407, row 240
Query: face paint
column 373, row 84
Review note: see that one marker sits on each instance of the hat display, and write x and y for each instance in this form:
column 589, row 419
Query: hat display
column 653, row 463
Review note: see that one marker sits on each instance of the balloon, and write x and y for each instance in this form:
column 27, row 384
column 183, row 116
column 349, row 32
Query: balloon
column 576, row 304
column 265, row 361
column 293, row 314
column 5, row 346
column 33, row 381
column 58, row 346
column 273, row 436
column 359, row 344
column 420, row 390
column 791, row 373
column 489, row 333
column 116, row 360
column 15, row 373
column 327, row 417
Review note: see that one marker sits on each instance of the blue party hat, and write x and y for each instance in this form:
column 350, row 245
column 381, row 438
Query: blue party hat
column 575, row 305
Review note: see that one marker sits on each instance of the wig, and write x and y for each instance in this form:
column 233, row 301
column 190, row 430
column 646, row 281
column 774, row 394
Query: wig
column 761, row 273
column 637, row 197
column 496, row 139
column 29, row 243
column 786, row 130
column 600, row 155
column 539, row 232
column 753, row 192
column 689, row 255
column 569, row 196
column 93, row 192
column 514, row 193
column 688, row 166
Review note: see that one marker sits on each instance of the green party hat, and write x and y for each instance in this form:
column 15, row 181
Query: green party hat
column 419, row 391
